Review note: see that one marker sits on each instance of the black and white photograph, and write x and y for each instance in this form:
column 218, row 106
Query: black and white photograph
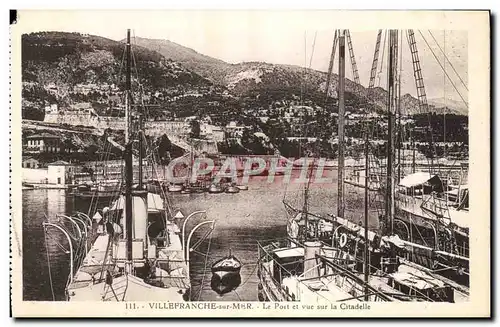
column 239, row 167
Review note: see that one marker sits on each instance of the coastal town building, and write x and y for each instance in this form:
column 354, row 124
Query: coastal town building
column 60, row 172
column 30, row 162
column 212, row 132
column 43, row 143
column 235, row 130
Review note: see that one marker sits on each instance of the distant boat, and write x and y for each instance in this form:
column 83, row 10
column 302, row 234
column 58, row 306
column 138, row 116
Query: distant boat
column 96, row 192
column 187, row 190
column 242, row 187
column 28, row 186
column 214, row 188
column 174, row 188
column 232, row 189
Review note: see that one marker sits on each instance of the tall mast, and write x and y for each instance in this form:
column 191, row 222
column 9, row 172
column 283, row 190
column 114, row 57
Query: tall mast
column 413, row 153
column 128, row 163
column 332, row 60
column 389, row 203
column 141, row 135
column 365, row 257
column 341, row 89
column 305, row 208
column 400, row 139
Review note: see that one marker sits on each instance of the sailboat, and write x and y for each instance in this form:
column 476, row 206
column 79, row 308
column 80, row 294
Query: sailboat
column 137, row 253
column 358, row 265
column 434, row 229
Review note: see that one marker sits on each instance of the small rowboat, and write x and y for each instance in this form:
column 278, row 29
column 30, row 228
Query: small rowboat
column 232, row 189
column 227, row 265
column 215, row 189
column 187, row 190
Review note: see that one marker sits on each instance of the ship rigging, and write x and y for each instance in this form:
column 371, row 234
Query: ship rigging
column 136, row 250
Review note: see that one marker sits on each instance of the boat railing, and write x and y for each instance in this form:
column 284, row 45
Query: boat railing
column 343, row 272
column 354, row 281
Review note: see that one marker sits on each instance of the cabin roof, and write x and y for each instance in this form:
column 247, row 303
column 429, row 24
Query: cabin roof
column 415, row 278
column 155, row 203
column 419, row 178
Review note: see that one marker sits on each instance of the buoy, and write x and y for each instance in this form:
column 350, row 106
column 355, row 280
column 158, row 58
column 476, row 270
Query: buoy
column 343, row 240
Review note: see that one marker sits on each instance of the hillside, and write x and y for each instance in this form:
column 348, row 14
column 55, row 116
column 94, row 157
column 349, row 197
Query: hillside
column 68, row 68
column 211, row 68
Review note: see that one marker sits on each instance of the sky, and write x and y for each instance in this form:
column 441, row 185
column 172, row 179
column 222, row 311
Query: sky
column 280, row 37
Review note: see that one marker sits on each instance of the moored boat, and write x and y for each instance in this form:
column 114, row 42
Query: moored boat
column 228, row 264
column 175, row 188
column 136, row 251
column 232, row 189
column 215, row 188
column 187, row 190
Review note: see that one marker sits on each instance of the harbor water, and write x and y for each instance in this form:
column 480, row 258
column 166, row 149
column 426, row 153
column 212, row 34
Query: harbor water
column 241, row 220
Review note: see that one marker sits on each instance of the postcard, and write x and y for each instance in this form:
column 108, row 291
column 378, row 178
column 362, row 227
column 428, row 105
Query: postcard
column 254, row 163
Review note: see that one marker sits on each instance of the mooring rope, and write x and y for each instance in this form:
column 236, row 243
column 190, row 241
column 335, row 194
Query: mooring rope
column 48, row 262
column 204, row 268
column 251, row 274
column 239, row 298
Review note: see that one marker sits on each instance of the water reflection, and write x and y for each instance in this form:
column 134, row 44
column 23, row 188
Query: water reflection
column 225, row 283
column 241, row 220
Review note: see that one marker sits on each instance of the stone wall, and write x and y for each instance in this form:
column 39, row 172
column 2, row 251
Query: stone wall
column 153, row 128
column 177, row 131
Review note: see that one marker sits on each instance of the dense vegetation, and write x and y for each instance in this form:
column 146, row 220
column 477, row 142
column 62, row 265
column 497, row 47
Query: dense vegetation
column 65, row 60
column 257, row 95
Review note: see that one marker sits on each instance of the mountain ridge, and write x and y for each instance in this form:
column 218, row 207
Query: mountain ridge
column 69, row 68
column 68, row 59
column 247, row 76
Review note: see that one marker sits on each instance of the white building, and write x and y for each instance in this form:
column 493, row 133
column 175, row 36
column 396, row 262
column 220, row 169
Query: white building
column 52, row 109
column 212, row 132
column 59, row 172
column 234, row 130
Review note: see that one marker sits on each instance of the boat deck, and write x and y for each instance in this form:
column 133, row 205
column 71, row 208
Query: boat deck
column 171, row 271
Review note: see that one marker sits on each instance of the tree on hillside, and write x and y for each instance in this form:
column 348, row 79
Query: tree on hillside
column 164, row 148
column 92, row 151
column 195, row 129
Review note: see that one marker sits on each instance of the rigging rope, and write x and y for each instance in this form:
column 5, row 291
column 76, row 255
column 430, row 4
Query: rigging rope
column 439, row 63
column 251, row 273
column 48, row 262
column 204, row 268
column 381, row 60
column 312, row 52
column 446, row 57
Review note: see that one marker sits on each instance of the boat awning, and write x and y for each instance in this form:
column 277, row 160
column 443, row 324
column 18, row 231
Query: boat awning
column 414, row 278
column 155, row 203
column 419, row 178
column 290, row 252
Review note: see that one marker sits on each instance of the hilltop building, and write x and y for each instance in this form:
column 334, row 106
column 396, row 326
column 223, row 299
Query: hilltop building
column 44, row 143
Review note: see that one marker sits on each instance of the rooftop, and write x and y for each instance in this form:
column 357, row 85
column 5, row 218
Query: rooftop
column 43, row 136
column 60, row 163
